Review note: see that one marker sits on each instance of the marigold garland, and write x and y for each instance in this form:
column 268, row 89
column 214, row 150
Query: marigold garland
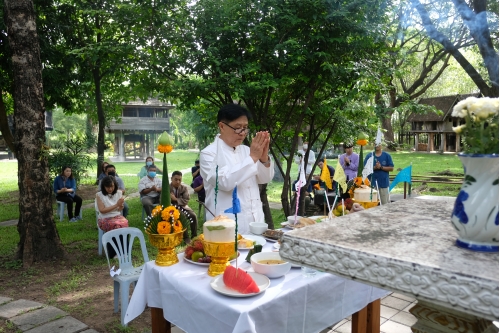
column 165, row 148
column 156, row 210
column 178, row 226
column 362, row 142
column 164, row 228
column 170, row 212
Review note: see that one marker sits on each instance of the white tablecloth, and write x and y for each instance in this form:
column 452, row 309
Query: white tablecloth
column 292, row 303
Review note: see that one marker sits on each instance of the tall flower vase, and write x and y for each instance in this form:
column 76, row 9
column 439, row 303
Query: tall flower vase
column 475, row 215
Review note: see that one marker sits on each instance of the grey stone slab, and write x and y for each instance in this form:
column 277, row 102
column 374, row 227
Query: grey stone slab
column 404, row 318
column 8, row 223
column 63, row 325
column 15, row 308
column 90, row 331
column 5, row 299
column 407, row 247
column 37, row 317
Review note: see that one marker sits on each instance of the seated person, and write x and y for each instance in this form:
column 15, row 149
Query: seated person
column 65, row 190
column 111, row 171
column 308, row 198
column 103, row 170
column 109, row 203
column 195, row 171
column 198, row 187
column 150, row 189
column 332, row 173
column 179, row 195
column 144, row 170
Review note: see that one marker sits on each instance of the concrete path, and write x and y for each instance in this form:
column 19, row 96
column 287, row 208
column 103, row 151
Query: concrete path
column 34, row 317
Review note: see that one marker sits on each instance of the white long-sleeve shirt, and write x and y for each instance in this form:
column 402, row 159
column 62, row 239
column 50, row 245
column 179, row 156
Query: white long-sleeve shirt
column 235, row 166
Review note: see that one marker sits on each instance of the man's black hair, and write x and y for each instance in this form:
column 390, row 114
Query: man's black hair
column 151, row 166
column 109, row 166
column 231, row 112
column 176, row 173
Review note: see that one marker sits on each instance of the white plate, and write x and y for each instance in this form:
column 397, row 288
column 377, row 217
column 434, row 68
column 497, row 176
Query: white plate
column 218, row 285
column 276, row 245
column 205, row 263
column 258, row 239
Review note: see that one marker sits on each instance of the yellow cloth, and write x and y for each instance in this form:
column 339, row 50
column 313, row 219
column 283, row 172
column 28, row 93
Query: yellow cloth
column 340, row 177
column 325, row 175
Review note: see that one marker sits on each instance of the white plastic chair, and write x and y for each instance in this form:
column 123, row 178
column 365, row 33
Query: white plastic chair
column 129, row 274
column 61, row 208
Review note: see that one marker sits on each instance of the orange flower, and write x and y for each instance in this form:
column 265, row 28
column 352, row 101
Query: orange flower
column 165, row 148
column 362, row 142
column 177, row 226
column 359, row 181
column 170, row 211
column 164, row 228
column 156, row 210
column 317, row 187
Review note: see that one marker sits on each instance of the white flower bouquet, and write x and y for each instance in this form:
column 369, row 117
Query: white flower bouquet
column 480, row 131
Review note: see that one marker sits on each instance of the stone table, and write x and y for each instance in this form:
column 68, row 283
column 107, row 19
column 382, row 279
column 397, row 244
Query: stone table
column 408, row 247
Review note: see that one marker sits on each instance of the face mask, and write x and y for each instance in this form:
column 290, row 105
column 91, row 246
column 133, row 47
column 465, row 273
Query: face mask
column 111, row 173
column 148, row 163
column 152, row 174
column 305, row 147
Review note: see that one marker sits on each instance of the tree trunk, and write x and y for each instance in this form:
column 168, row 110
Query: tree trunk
column 39, row 239
column 96, row 72
column 265, row 206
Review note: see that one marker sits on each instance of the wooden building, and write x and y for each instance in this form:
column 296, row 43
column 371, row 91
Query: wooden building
column 434, row 132
column 139, row 127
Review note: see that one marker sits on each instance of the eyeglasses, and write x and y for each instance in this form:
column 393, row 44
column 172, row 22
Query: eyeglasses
column 238, row 130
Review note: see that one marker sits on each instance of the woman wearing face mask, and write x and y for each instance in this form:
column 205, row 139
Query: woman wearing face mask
column 144, row 170
column 310, row 161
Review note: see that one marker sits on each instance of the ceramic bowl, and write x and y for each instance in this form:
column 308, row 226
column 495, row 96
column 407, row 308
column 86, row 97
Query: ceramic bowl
column 258, row 228
column 291, row 219
column 271, row 271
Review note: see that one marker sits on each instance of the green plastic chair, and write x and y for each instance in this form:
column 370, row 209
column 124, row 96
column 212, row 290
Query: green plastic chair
column 122, row 241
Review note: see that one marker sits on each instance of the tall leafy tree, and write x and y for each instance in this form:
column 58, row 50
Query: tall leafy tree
column 475, row 17
column 296, row 65
column 39, row 239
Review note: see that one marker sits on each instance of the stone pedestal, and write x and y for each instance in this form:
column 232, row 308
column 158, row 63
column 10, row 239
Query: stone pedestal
column 407, row 247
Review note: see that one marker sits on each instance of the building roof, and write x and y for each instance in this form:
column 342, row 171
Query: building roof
column 442, row 103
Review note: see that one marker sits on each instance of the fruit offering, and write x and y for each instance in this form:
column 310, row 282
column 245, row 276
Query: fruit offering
column 237, row 279
column 194, row 251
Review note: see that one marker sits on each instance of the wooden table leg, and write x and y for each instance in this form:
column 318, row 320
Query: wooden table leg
column 373, row 321
column 158, row 323
column 359, row 321
column 367, row 320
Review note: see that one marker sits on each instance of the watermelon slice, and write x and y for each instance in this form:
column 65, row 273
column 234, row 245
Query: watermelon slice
column 241, row 282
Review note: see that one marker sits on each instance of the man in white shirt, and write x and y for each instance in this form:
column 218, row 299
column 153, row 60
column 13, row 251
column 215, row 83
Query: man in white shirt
column 150, row 189
column 310, row 160
column 229, row 163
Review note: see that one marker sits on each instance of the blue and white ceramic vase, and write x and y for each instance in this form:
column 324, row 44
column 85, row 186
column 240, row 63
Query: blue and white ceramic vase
column 475, row 215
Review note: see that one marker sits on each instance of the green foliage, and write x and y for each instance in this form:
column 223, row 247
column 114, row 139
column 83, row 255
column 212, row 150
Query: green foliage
column 70, row 153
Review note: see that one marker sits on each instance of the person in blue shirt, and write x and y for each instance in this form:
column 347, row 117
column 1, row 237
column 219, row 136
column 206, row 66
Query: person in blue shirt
column 382, row 165
column 65, row 190
column 144, row 170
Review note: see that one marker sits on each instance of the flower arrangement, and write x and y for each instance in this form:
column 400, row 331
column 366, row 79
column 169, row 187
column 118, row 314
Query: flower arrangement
column 480, row 131
column 166, row 220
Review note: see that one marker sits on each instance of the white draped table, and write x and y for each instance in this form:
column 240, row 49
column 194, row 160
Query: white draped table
column 292, row 303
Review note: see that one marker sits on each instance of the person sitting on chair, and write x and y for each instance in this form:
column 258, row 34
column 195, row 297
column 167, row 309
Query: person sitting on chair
column 144, row 170
column 179, row 195
column 111, row 171
column 65, row 190
column 109, row 202
column 150, row 189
